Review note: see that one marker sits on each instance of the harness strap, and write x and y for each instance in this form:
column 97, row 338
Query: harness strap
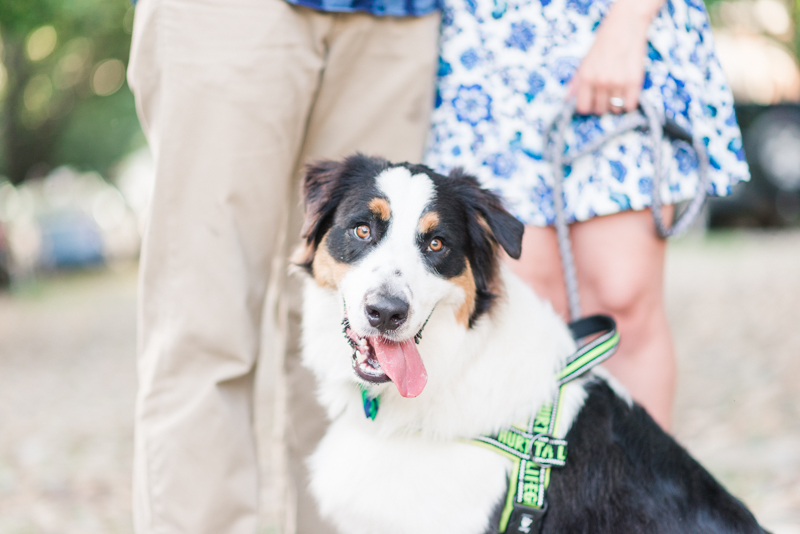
column 532, row 448
column 594, row 352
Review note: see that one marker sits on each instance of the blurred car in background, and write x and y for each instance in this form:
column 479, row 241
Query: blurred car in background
column 70, row 239
column 771, row 136
column 66, row 220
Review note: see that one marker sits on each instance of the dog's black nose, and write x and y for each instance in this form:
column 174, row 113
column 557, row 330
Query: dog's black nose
column 387, row 313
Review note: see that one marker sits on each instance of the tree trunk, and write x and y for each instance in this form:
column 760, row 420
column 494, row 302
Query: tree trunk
column 24, row 148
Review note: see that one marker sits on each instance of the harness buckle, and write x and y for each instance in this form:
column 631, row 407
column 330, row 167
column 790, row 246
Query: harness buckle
column 526, row 520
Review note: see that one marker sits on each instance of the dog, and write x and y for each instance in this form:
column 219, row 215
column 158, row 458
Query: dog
column 421, row 341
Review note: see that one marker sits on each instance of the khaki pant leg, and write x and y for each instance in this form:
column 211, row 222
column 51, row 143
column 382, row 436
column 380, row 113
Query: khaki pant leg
column 375, row 97
column 223, row 90
column 377, row 90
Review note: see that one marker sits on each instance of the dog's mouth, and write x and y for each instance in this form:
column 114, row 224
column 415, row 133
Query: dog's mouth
column 377, row 360
column 365, row 362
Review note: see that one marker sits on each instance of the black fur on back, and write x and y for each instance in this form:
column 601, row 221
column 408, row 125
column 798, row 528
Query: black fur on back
column 625, row 475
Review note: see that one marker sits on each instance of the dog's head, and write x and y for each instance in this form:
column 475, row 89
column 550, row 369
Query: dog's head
column 397, row 241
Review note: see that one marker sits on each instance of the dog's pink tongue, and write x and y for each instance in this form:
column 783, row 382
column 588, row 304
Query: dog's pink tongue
column 401, row 362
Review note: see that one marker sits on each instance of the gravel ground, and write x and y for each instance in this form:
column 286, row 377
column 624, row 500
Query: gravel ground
column 734, row 304
column 67, row 384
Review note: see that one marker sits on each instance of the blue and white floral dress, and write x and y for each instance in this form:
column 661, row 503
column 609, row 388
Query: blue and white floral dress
column 503, row 75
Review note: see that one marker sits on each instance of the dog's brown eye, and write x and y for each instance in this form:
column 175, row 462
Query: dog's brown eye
column 436, row 244
column 362, row 231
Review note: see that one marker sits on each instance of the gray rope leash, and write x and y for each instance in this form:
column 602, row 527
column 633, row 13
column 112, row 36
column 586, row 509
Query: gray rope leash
column 647, row 120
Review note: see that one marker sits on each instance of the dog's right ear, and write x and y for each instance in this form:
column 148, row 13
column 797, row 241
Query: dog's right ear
column 320, row 199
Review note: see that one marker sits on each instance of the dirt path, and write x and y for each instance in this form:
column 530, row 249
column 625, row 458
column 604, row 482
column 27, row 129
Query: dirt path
column 67, row 385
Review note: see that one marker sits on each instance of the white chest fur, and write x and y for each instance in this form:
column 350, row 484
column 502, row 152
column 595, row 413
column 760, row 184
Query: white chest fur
column 368, row 484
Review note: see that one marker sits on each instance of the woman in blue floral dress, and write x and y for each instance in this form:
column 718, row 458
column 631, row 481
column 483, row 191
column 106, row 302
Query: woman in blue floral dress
column 506, row 69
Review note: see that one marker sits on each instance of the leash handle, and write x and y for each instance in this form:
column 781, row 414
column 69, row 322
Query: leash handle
column 596, row 351
column 591, row 325
column 646, row 119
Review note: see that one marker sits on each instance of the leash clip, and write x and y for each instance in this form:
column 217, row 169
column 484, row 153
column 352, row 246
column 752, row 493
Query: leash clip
column 526, row 520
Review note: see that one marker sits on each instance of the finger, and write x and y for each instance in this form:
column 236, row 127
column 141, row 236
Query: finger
column 601, row 103
column 616, row 94
column 572, row 88
column 632, row 96
column 583, row 100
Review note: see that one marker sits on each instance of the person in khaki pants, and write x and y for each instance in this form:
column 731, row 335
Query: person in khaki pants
column 235, row 96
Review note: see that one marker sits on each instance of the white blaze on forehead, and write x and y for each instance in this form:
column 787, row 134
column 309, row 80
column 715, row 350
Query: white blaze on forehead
column 396, row 266
column 408, row 195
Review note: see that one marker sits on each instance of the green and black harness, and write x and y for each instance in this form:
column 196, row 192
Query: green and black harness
column 532, row 448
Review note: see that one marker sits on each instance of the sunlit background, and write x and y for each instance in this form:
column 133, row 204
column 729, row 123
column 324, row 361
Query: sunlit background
column 75, row 178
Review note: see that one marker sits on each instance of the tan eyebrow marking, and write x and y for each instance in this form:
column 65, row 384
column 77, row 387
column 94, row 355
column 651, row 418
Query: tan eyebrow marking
column 428, row 222
column 380, row 207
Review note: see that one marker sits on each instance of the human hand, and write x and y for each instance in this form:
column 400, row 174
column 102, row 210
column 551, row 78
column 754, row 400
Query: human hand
column 610, row 76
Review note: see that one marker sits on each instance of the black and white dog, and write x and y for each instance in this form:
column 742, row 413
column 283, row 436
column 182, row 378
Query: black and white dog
column 395, row 249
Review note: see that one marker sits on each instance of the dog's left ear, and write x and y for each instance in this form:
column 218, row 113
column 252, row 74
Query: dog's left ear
column 319, row 202
column 507, row 230
column 488, row 225
column 503, row 227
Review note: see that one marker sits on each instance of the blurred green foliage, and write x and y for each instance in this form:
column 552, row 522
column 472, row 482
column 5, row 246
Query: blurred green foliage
column 796, row 20
column 63, row 96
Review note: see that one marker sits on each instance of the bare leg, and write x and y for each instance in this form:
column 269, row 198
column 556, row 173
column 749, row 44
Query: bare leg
column 620, row 263
column 540, row 267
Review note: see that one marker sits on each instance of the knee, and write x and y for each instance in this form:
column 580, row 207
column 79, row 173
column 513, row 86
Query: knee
column 633, row 301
